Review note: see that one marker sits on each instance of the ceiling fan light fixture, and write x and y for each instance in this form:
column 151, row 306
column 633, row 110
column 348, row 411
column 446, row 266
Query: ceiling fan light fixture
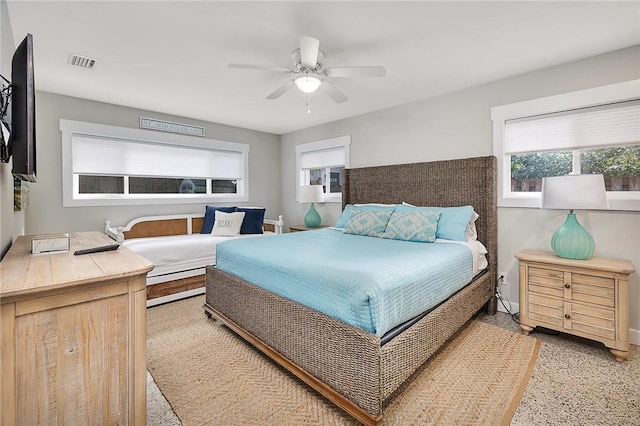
column 308, row 84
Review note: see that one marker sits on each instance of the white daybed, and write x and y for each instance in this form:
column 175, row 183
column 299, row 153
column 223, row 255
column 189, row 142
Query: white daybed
column 177, row 250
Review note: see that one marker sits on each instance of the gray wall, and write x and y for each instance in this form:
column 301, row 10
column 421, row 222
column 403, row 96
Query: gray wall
column 459, row 125
column 45, row 213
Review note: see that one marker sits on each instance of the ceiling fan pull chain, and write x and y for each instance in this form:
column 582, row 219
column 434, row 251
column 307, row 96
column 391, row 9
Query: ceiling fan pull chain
column 308, row 103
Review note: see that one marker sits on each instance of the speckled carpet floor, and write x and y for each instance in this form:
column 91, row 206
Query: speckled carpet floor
column 210, row 376
column 577, row 382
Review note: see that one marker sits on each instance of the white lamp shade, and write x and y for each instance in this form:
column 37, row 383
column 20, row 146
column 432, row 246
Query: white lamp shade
column 310, row 194
column 307, row 84
column 574, row 192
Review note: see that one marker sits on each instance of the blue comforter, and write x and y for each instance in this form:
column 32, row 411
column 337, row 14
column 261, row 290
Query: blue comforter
column 371, row 283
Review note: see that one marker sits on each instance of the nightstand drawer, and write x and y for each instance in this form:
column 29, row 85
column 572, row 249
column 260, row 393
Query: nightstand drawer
column 549, row 282
column 593, row 320
column 591, row 289
column 546, row 309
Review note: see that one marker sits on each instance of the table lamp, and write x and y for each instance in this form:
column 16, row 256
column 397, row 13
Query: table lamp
column 573, row 192
column 311, row 194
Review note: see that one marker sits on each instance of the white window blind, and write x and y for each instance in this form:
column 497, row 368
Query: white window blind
column 334, row 157
column 604, row 125
column 112, row 156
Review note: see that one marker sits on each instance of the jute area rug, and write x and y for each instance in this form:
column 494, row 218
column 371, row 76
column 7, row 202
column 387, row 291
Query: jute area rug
column 210, row 376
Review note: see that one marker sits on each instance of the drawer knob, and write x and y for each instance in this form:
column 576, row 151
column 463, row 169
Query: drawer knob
column 567, row 285
column 567, row 316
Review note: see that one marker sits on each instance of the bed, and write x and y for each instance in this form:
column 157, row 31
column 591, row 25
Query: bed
column 179, row 252
column 359, row 370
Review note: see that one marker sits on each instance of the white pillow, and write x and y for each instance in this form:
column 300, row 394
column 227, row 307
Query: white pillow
column 227, row 224
column 472, row 233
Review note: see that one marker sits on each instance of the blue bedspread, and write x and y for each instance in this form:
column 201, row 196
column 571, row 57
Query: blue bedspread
column 371, row 283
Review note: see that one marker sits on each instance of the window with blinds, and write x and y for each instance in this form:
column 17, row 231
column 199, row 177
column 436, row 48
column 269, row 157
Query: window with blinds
column 322, row 163
column 106, row 165
column 595, row 131
column 602, row 139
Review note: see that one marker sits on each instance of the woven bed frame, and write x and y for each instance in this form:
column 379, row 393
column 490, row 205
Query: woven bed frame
column 344, row 363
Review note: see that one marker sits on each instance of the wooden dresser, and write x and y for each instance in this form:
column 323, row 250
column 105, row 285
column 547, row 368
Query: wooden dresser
column 73, row 342
column 587, row 298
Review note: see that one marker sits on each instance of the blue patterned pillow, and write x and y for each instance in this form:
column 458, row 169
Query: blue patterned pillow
column 346, row 213
column 453, row 222
column 367, row 222
column 420, row 226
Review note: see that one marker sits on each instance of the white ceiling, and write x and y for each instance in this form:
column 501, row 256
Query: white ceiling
column 172, row 56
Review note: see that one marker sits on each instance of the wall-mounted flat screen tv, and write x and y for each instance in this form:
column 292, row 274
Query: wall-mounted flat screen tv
column 23, row 112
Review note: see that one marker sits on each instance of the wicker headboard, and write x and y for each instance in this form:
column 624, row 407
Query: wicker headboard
column 468, row 181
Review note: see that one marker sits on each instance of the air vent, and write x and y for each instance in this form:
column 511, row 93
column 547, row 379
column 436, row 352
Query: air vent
column 82, row 61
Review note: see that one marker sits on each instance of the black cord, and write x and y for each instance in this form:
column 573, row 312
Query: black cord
column 5, row 97
column 516, row 316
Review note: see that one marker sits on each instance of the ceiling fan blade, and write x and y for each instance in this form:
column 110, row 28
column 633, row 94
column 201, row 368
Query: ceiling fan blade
column 374, row 71
column 280, row 90
column 332, row 92
column 309, row 47
column 260, row 67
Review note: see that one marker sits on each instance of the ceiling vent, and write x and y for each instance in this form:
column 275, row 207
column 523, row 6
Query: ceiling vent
column 81, row 61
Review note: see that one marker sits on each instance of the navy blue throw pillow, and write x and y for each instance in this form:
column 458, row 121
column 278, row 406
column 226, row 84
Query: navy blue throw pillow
column 210, row 217
column 253, row 220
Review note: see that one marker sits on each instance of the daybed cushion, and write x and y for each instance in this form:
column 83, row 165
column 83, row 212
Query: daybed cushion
column 210, row 217
column 253, row 220
column 178, row 253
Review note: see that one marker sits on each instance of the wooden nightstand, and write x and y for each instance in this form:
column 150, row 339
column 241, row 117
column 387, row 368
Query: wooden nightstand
column 297, row 228
column 587, row 298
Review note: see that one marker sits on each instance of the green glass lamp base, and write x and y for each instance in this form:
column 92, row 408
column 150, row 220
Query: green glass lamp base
column 312, row 218
column 572, row 241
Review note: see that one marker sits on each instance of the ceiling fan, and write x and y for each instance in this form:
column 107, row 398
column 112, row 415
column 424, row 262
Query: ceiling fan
column 309, row 73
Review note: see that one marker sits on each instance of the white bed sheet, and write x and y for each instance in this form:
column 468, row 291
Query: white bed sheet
column 177, row 253
column 478, row 250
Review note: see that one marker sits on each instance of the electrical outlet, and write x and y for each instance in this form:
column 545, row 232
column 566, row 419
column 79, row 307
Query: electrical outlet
column 503, row 283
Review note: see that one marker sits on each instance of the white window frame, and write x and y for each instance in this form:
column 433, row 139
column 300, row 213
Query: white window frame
column 71, row 197
column 619, row 92
column 343, row 142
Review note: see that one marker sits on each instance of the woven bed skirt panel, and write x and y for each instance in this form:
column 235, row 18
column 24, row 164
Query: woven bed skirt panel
column 403, row 355
column 349, row 360
column 342, row 356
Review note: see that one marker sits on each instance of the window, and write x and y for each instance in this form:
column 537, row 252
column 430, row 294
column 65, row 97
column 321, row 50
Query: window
column 107, row 165
column 590, row 131
column 322, row 163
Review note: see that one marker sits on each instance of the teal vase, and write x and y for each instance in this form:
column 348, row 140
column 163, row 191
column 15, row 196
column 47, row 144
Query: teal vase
column 572, row 241
column 312, row 218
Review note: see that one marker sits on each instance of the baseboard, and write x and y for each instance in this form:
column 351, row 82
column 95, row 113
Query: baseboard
column 634, row 335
